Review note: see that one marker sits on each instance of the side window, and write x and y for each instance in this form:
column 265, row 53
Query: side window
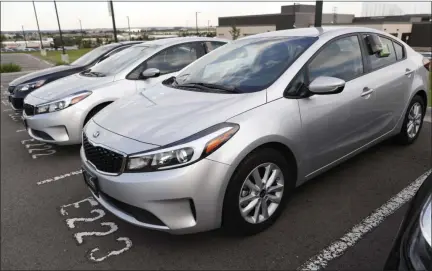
column 211, row 45
column 341, row 59
column 399, row 51
column 297, row 86
column 379, row 62
column 174, row 59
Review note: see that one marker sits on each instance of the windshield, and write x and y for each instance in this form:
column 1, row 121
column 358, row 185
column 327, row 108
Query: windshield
column 122, row 59
column 94, row 54
column 247, row 65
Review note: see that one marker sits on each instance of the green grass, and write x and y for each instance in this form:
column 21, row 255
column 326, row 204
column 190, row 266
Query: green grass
column 55, row 56
column 9, row 67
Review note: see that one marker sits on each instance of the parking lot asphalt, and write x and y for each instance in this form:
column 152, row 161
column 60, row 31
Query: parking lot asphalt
column 42, row 228
column 26, row 61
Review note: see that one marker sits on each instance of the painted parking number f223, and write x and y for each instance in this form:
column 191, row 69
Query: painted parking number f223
column 110, row 227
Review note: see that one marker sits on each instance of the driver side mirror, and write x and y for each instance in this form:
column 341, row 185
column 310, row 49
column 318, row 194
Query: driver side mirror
column 150, row 73
column 326, row 85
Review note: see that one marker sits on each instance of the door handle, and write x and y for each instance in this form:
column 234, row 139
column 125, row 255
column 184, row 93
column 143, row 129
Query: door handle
column 408, row 72
column 367, row 91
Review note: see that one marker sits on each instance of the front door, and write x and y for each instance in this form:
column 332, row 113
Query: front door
column 169, row 62
column 335, row 125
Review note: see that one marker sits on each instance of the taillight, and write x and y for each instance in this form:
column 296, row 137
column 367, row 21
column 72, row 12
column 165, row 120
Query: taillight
column 427, row 63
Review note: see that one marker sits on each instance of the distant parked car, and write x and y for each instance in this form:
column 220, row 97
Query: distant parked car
column 412, row 247
column 22, row 86
column 57, row 112
column 226, row 141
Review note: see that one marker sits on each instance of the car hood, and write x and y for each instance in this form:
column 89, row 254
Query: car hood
column 162, row 115
column 69, row 85
column 43, row 73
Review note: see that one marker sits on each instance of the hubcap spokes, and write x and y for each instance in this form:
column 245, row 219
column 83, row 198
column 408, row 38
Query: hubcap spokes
column 414, row 120
column 261, row 193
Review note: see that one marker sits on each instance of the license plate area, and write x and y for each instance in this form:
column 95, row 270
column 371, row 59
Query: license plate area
column 91, row 181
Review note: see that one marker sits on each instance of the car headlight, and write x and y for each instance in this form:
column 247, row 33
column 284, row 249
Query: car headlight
column 30, row 86
column 62, row 103
column 183, row 152
column 419, row 247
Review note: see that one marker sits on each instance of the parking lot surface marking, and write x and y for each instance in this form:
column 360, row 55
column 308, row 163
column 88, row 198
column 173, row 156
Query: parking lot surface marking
column 56, row 178
column 127, row 242
column 337, row 248
column 79, row 236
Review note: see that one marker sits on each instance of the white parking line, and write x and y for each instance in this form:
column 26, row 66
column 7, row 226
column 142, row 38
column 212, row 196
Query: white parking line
column 337, row 248
column 56, row 178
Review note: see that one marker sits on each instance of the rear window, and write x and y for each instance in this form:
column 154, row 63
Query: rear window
column 399, row 51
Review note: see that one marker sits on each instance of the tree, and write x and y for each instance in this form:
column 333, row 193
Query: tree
column 2, row 38
column 235, row 32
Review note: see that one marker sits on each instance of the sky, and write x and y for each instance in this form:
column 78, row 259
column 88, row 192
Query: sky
column 94, row 14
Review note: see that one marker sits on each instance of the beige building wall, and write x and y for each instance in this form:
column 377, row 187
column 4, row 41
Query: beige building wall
column 224, row 31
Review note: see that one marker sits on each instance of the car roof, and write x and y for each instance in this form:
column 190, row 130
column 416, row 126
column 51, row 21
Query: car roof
column 131, row 42
column 326, row 31
column 172, row 41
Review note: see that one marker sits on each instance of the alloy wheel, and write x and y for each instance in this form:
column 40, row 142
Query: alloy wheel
column 261, row 193
column 414, row 120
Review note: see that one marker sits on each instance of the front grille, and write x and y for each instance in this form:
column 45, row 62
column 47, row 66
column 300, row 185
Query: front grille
column 139, row 214
column 11, row 89
column 29, row 109
column 17, row 103
column 103, row 159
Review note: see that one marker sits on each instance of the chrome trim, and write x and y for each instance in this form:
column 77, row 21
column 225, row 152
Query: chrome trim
column 122, row 168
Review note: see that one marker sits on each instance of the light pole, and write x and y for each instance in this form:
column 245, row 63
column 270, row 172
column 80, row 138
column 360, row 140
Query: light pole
column 196, row 22
column 37, row 23
column 129, row 28
column 24, row 35
column 58, row 21
column 318, row 13
column 82, row 33
column 113, row 20
column 208, row 26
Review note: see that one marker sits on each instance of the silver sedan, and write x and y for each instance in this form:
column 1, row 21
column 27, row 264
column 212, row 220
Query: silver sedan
column 226, row 141
column 57, row 112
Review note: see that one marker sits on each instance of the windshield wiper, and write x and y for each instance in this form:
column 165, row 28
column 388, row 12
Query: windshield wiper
column 230, row 89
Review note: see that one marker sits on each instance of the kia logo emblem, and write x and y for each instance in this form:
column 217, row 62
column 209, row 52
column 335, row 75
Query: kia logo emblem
column 96, row 134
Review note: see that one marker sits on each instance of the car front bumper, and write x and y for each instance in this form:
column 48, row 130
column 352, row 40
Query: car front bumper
column 180, row 201
column 61, row 127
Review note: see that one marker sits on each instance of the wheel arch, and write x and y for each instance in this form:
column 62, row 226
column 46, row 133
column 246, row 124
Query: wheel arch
column 95, row 108
column 278, row 145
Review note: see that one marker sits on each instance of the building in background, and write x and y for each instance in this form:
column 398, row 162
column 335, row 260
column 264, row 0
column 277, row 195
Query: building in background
column 292, row 16
column 370, row 9
column 411, row 28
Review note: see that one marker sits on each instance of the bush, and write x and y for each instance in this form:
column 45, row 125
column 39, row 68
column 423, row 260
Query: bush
column 9, row 67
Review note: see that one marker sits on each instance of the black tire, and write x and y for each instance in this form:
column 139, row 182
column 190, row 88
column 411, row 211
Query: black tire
column 233, row 222
column 403, row 138
column 93, row 112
